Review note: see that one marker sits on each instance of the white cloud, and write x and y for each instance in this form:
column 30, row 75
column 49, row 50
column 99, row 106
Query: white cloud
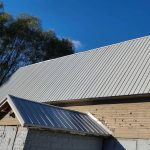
column 77, row 44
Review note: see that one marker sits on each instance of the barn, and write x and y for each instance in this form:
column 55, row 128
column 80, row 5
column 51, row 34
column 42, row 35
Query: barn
column 112, row 83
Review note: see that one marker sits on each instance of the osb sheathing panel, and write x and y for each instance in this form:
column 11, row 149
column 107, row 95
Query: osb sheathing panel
column 127, row 120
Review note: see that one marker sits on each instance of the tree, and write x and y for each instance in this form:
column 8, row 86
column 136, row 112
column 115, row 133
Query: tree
column 1, row 7
column 23, row 42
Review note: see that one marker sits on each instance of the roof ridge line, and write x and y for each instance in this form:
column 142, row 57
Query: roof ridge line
column 86, row 51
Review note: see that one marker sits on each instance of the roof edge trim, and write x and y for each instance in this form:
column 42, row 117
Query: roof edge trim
column 102, row 125
column 64, row 130
column 13, row 107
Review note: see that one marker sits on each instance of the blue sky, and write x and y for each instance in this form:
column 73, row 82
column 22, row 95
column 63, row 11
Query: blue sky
column 89, row 23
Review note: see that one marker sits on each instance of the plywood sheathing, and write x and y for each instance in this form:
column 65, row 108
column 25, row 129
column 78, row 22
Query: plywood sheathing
column 126, row 120
column 7, row 116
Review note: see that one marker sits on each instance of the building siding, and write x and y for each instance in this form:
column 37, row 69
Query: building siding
column 126, row 144
column 44, row 140
column 126, row 120
column 12, row 137
column 19, row 138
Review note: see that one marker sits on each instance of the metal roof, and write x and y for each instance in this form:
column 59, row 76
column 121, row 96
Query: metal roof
column 114, row 70
column 34, row 114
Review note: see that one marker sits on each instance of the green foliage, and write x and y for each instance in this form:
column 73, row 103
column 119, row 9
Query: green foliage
column 1, row 7
column 23, row 42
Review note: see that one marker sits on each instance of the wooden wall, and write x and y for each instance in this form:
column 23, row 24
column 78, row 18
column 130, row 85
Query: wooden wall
column 127, row 120
column 12, row 137
column 9, row 120
column 7, row 116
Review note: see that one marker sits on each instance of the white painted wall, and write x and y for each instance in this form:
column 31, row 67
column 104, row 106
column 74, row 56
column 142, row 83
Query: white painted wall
column 19, row 138
column 126, row 144
column 12, row 137
column 45, row 140
column 135, row 144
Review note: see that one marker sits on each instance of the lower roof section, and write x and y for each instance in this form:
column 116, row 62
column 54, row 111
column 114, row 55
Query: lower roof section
column 39, row 115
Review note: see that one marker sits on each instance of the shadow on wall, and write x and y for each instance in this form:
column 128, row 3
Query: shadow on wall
column 112, row 144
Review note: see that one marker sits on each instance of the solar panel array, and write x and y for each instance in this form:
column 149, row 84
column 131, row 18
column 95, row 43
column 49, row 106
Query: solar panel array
column 34, row 114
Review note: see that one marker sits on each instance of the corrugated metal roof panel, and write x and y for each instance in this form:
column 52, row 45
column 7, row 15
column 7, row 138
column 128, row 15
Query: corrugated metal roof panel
column 34, row 114
column 114, row 70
